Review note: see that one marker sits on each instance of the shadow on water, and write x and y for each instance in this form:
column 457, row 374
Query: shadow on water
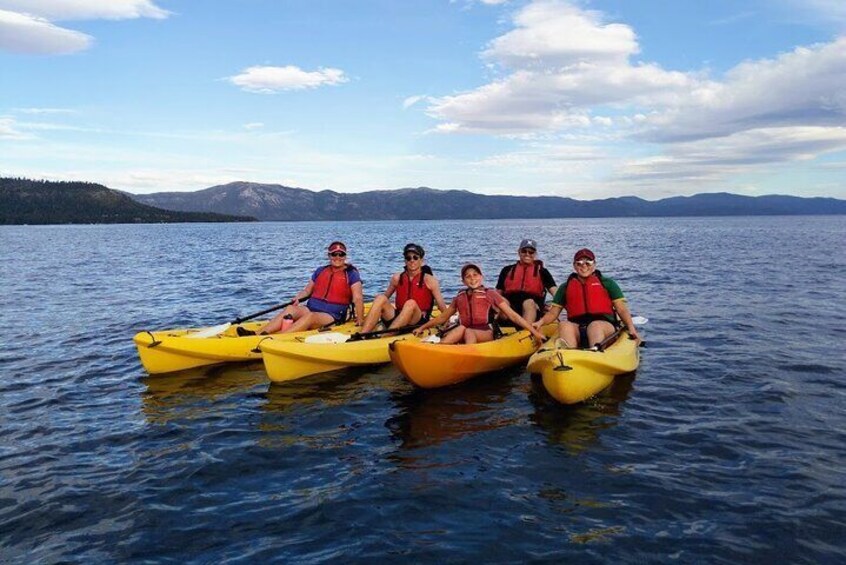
column 430, row 417
column 190, row 394
column 577, row 427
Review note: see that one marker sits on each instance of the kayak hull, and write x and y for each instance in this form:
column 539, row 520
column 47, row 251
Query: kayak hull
column 169, row 351
column 571, row 376
column 288, row 360
column 430, row 365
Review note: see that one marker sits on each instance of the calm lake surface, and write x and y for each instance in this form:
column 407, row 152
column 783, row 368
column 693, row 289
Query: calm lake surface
column 728, row 445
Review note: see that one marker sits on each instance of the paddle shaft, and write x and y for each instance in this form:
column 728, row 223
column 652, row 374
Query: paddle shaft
column 360, row 336
column 610, row 339
column 271, row 309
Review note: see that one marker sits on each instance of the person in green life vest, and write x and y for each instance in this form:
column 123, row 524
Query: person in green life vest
column 418, row 291
column 593, row 303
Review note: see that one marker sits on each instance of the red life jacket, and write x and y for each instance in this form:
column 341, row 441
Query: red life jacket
column 415, row 289
column 525, row 279
column 474, row 308
column 333, row 286
column 587, row 297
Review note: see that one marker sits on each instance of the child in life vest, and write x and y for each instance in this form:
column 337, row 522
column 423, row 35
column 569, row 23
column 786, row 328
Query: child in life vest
column 475, row 307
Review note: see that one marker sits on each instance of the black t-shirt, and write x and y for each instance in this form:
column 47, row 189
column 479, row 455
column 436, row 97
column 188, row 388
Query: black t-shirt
column 517, row 298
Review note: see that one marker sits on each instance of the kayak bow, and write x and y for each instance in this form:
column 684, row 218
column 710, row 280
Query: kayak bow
column 574, row 375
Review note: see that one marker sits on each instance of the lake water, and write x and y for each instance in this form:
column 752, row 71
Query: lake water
column 728, row 445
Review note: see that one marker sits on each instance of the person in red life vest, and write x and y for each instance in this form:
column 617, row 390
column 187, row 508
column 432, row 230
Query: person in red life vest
column 417, row 293
column 592, row 301
column 476, row 307
column 332, row 289
column 526, row 282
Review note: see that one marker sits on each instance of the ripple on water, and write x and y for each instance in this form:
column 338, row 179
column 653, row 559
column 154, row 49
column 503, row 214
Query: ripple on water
column 725, row 446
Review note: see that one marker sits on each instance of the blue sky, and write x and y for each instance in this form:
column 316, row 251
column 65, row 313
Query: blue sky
column 587, row 99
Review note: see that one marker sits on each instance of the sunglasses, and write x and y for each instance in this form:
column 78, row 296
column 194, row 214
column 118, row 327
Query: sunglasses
column 337, row 254
column 412, row 257
column 584, row 262
column 528, row 251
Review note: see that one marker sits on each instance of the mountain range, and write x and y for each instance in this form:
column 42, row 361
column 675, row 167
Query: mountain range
column 24, row 201
column 272, row 202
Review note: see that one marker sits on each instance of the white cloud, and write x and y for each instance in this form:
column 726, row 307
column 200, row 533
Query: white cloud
column 564, row 72
column 253, row 125
column 45, row 111
column 22, row 33
column 9, row 129
column 86, row 9
column 563, row 63
column 554, row 34
column 265, row 79
column 800, row 88
column 412, row 100
column 748, row 151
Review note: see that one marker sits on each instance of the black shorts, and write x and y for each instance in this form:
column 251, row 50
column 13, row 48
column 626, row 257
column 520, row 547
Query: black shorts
column 516, row 304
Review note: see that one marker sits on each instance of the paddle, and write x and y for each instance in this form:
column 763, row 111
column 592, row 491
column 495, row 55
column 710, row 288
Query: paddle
column 337, row 337
column 636, row 320
column 215, row 330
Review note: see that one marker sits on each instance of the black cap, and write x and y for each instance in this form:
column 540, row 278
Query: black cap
column 413, row 247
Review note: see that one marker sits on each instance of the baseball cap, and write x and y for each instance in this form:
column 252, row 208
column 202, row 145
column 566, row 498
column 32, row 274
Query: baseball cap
column 337, row 246
column 528, row 243
column 584, row 253
column 414, row 248
column 468, row 266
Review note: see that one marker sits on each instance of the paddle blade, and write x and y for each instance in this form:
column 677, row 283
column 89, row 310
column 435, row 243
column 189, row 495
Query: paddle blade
column 209, row 332
column 330, row 337
column 639, row 320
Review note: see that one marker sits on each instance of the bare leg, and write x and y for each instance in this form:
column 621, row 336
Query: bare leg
column 568, row 332
column 598, row 330
column 310, row 321
column 478, row 336
column 530, row 310
column 275, row 324
column 410, row 314
column 381, row 308
column 455, row 335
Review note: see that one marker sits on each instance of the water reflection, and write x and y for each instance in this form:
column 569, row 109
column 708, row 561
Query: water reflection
column 430, row 417
column 191, row 394
column 332, row 388
column 577, row 427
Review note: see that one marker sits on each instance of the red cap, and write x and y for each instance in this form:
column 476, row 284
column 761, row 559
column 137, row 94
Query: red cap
column 584, row 253
column 337, row 246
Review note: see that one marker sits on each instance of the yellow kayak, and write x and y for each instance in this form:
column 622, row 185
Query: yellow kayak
column 287, row 360
column 176, row 350
column 430, row 365
column 574, row 375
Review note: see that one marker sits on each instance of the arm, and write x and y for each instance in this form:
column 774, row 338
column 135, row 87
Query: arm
column 506, row 309
column 443, row 318
column 358, row 302
column 304, row 293
column 623, row 311
column 392, row 286
column 550, row 316
column 435, row 288
column 549, row 282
